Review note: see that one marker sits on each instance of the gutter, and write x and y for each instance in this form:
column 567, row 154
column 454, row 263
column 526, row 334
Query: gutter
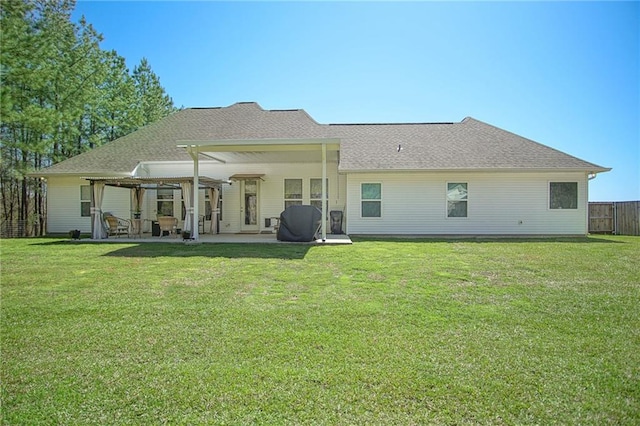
column 78, row 174
column 591, row 172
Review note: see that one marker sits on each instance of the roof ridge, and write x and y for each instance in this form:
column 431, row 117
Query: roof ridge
column 300, row 110
column 246, row 103
column 391, row 124
column 277, row 110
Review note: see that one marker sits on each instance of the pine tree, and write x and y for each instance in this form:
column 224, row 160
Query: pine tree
column 153, row 102
column 60, row 95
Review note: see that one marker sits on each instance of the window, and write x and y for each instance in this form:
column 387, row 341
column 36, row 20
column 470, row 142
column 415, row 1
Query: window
column 315, row 192
column 85, row 200
column 457, row 194
column 371, row 200
column 563, row 195
column 292, row 192
column 165, row 201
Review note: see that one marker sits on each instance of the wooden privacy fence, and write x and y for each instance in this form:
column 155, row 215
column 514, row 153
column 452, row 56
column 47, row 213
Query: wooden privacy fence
column 619, row 217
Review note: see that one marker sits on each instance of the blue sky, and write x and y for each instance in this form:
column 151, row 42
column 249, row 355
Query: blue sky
column 565, row 74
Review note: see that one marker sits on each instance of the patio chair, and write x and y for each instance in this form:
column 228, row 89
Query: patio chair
column 117, row 226
column 169, row 224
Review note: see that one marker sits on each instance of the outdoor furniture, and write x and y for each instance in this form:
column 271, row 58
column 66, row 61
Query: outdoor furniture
column 117, row 226
column 336, row 221
column 169, row 224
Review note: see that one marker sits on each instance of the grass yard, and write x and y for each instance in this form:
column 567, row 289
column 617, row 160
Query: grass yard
column 380, row 332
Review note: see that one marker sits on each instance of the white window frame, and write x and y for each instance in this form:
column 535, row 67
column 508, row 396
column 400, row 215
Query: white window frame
column 370, row 199
column 293, row 201
column 83, row 201
column 172, row 200
column 447, row 200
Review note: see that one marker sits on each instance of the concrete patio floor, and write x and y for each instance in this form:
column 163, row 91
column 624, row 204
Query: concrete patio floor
column 222, row 238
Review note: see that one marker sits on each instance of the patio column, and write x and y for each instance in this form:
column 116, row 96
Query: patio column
column 324, row 193
column 214, row 199
column 193, row 151
column 187, row 197
column 93, row 206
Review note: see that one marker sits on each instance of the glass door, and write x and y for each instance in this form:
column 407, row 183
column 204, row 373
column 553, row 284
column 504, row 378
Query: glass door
column 249, row 209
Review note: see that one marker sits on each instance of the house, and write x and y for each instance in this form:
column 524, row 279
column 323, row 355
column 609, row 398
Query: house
column 461, row 178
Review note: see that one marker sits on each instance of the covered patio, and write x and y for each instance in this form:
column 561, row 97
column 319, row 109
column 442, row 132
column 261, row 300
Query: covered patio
column 138, row 186
column 251, row 151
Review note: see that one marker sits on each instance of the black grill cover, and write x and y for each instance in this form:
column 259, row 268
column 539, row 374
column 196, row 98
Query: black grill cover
column 299, row 223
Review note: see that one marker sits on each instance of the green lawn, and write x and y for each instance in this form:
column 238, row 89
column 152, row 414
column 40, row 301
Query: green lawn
column 379, row 332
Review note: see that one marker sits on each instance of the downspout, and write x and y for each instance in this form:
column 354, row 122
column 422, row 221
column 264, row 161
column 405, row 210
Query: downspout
column 193, row 152
column 590, row 176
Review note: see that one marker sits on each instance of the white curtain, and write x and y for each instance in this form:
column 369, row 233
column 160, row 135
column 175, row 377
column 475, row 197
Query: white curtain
column 214, row 199
column 187, row 197
column 98, row 232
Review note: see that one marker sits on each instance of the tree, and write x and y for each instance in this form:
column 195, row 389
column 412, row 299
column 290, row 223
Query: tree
column 154, row 103
column 60, row 95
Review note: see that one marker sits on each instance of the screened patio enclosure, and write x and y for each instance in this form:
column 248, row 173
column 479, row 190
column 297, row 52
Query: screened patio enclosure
column 138, row 186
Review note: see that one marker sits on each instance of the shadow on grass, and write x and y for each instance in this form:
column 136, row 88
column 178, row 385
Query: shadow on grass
column 227, row 250
column 297, row 250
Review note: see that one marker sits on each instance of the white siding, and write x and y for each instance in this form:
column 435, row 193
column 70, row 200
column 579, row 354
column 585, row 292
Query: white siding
column 412, row 203
column 64, row 193
column 63, row 204
column 499, row 204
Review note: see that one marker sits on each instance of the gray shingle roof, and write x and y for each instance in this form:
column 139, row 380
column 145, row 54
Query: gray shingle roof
column 469, row 144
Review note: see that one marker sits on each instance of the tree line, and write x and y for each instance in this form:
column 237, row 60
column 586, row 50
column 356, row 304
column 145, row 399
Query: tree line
column 61, row 94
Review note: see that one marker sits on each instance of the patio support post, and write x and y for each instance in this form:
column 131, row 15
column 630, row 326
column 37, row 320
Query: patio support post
column 93, row 208
column 324, row 193
column 187, row 198
column 193, row 151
